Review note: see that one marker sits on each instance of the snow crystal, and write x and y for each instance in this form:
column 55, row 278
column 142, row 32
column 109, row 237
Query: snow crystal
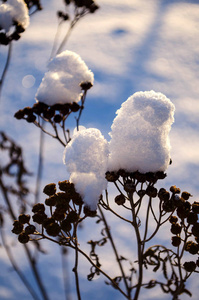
column 13, row 10
column 139, row 136
column 61, row 84
column 86, row 161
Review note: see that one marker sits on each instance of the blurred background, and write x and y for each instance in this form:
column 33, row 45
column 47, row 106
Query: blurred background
column 130, row 45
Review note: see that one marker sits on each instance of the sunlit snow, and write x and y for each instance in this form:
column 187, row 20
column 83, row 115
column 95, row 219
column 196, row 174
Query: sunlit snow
column 61, row 84
column 139, row 136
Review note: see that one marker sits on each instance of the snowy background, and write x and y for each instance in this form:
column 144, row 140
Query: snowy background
column 130, row 45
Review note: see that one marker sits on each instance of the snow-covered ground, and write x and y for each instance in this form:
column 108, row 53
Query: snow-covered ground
column 130, row 46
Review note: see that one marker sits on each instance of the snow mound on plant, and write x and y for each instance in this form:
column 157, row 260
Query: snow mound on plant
column 13, row 10
column 139, row 136
column 86, row 161
column 61, row 84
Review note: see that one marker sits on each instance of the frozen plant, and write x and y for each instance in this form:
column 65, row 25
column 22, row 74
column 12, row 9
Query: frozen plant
column 13, row 13
column 86, row 161
column 62, row 83
column 139, row 136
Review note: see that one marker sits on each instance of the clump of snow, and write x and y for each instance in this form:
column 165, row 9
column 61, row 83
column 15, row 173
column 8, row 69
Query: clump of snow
column 13, row 11
column 86, row 161
column 139, row 136
column 61, row 84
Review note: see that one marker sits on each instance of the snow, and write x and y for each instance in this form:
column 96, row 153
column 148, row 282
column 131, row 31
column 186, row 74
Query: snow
column 13, row 10
column 139, row 136
column 86, row 160
column 61, row 84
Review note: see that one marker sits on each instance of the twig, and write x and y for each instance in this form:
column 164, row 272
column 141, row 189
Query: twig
column 115, row 251
column 6, row 66
column 15, row 266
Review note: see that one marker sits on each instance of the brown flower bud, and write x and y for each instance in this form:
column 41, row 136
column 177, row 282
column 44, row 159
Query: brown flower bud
column 39, row 217
column 195, row 229
column 23, row 238
column 195, row 207
column 74, row 107
column 30, row 229
column 174, row 190
column 51, row 201
column 190, row 266
column 48, row 221
column 151, row 191
column 19, row 114
column 85, row 85
column 66, row 225
column 39, row 207
column 185, row 195
column 176, row 228
column 173, row 219
column 50, row 189
column 89, row 213
column 120, row 199
column 176, row 240
column 111, row 176
column 192, row 218
column 24, row 218
column 163, row 194
column 57, row 118
column 18, row 227
column 129, row 187
column 53, row 229
column 72, row 217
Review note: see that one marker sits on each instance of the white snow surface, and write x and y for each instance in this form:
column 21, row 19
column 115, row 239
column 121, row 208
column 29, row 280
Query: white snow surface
column 86, row 160
column 13, row 10
column 61, row 84
column 139, row 136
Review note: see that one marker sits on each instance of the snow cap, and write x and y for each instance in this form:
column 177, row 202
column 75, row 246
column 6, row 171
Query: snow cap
column 61, row 84
column 86, row 161
column 13, row 10
column 139, row 136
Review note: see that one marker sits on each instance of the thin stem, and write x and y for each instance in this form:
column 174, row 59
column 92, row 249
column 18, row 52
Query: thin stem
column 139, row 248
column 6, row 66
column 40, row 165
column 75, row 269
column 115, row 251
column 65, row 274
column 15, row 266
column 31, row 260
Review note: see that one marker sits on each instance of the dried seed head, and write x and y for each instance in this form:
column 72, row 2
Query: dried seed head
column 30, row 229
column 50, row 189
column 120, row 199
column 23, row 238
column 53, row 229
column 176, row 240
column 151, row 191
column 39, row 207
column 195, row 207
column 39, row 217
column 176, row 228
column 72, row 217
column 174, row 189
column 89, row 213
column 66, row 225
column 185, row 195
column 17, row 227
column 190, row 266
column 24, row 218
column 111, row 176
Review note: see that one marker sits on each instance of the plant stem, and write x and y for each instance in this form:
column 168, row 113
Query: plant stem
column 6, row 66
column 15, row 266
column 139, row 248
column 128, row 290
column 31, row 260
